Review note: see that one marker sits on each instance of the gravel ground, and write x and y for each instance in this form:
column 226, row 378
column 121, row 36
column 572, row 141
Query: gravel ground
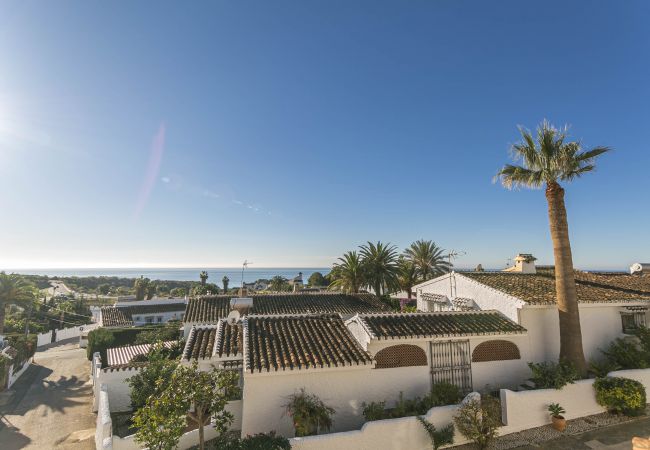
column 546, row 433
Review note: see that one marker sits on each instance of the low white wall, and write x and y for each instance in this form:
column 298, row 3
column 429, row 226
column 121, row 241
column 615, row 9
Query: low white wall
column 13, row 377
column 529, row 409
column 119, row 392
column 640, row 375
column 43, row 339
column 389, row 434
column 104, row 427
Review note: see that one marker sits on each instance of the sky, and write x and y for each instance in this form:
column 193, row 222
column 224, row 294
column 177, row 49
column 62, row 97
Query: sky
column 167, row 134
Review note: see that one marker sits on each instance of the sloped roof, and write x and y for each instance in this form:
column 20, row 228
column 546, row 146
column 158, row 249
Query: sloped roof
column 591, row 287
column 210, row 309
column 276, row 343
column 119, row 356
column 230, row 339
column 115, row 317
column 437, row 324
column 223, row 340
column 200, row 343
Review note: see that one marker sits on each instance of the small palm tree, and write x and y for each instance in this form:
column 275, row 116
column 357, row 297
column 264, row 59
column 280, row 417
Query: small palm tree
column 547, row 160
column 204, row 277
column 225, row 280
column 380, row 263
column 348, row 274
column 428, row 259
column 14, row 290
column 407, row 276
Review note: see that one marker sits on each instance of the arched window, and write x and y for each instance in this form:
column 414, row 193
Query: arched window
column 497, row 350
column 402, row 355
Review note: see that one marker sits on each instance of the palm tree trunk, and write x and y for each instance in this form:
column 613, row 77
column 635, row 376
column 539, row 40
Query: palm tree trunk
column 565, row 286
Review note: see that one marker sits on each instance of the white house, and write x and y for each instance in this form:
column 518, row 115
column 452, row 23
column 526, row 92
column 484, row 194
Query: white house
column 143, row 312
column 611, row 304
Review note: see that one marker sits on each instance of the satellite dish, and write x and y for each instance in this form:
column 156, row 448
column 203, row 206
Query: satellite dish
column 233, row 316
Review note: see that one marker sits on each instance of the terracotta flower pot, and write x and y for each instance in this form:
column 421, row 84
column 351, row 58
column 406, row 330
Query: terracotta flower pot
column 559, row 423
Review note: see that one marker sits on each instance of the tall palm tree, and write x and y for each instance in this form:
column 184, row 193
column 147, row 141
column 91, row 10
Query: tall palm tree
column 225, row 280
column 547, row 160
column 204, row 277
column 407, row 276
column 14, row 290
column 428, row 259
column 380, row 263
column 348, row 274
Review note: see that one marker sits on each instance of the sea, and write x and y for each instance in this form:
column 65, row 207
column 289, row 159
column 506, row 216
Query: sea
column 215, row 275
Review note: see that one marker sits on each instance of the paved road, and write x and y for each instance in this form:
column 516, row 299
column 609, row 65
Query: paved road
column 50, row 406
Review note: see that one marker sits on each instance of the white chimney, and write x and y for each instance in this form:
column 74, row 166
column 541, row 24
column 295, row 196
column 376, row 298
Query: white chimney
column 241, row 304
column 524, row 263
column 640, row 268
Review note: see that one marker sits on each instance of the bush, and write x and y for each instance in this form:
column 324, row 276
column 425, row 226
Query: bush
column 550, row 375
column 261, row 441
column 625, row 354
column 444, row 393
column 310, row 415
column 99, row 340
column 620, row 395
column 25, row 347
column 374, row 411
column 438, row 438
column 600, row 369
column 478, row 420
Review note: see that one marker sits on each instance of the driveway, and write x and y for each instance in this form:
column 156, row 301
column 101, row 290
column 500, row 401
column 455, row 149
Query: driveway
column 50, row 406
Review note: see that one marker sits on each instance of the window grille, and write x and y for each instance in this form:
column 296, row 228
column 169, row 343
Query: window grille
column 495, row 350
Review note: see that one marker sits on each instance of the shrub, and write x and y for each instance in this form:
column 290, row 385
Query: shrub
column 25, row 347
column 310, row 415
column 98, row 341
column 444, row 393
column 625, row 354
column 478, row 420
column 600, row 369
column 440, row 437
column 374, row 411
column 550, row 375
column 620, row 395
column 261, row 441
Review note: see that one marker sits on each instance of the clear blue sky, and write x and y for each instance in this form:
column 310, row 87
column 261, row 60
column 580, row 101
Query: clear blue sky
column 203, row 133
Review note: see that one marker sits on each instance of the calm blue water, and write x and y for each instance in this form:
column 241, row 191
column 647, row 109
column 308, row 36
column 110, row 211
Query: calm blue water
column 215, row 275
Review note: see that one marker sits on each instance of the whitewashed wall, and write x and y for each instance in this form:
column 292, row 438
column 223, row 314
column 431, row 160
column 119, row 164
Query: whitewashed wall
column 13, row 377
column 119, row 392
column 43, row 339
column 640, row 375
column 390, row 434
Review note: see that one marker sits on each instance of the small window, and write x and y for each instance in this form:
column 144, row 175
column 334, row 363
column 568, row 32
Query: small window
column 632, row 319
column 137, row 318
column 160, row 319
column 149, row 319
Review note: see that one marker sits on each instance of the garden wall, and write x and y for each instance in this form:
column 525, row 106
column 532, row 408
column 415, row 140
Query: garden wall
column 389, row 434
column 640, row 375
column 119, row 392
column 13, row 377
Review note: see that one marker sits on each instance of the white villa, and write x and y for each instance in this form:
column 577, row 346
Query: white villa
column 142, row 312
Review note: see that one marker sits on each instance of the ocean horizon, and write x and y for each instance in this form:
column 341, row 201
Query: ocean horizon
column 215, row 275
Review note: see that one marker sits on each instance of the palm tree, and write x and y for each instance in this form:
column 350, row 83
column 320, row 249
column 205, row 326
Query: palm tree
column 348, row 274
column 278, row 283
column 204, row 277
column 428, row 259
column 225, row 280
column 14, row 290
column 545, row 162
column 380, row 263
column 407, row 276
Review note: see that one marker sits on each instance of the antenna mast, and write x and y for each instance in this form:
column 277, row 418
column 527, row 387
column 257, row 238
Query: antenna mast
column 453, row 254
column 243, row 267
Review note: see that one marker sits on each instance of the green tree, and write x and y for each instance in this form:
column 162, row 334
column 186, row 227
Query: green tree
column 225, row 280
column 104, row 288
column 178, row 292
column 278, row 283
column 204, row 277
column 407, row 276
column 188, row 393
column 546, row 160
column 348, row 274
column 380, row 266
column 65, row 307
column 14, row 290
column 145, row 383
column 428, row 259
column 316, row 279
column 141, row 287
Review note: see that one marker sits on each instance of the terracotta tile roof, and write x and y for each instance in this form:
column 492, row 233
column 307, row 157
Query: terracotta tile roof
column 119, row 356
column 300, row 342
column 211, row 309
column 115, row 317
column 200, row 343
column 437, row 324
column 230, row 339
column 592, row 287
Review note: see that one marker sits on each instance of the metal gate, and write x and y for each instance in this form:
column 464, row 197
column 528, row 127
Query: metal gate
column 451, row 361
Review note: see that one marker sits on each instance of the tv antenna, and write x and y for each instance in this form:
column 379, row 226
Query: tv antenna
column 453, row 254
column 244, row 266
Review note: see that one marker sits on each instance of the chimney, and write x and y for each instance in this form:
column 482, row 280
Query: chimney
column 640, row 268
column 524, row 263
column 242, row 305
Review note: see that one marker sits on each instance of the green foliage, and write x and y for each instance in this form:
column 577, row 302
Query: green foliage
column 25, row 347
column 99, row 340
column 279, row 284
column 626, row 354
column 225, row 281
column 178, row 292
column 148, row 381
column 143, row 288
column 14, row 290
column 168, row 332
column 317, row 279
column 428, row 259
column 549, row 375
column 188, row 394
column 260, row 441
column 5, row 362
column 556, row 410
column 441, row 394
column 348, row 274
column 621, row 395
column 380, row 266
column 440, row 437
column 601, row 368
column 310, row 415
column 478, row 420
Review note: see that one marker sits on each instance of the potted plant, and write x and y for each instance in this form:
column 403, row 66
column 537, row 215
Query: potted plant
column 558, row 420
